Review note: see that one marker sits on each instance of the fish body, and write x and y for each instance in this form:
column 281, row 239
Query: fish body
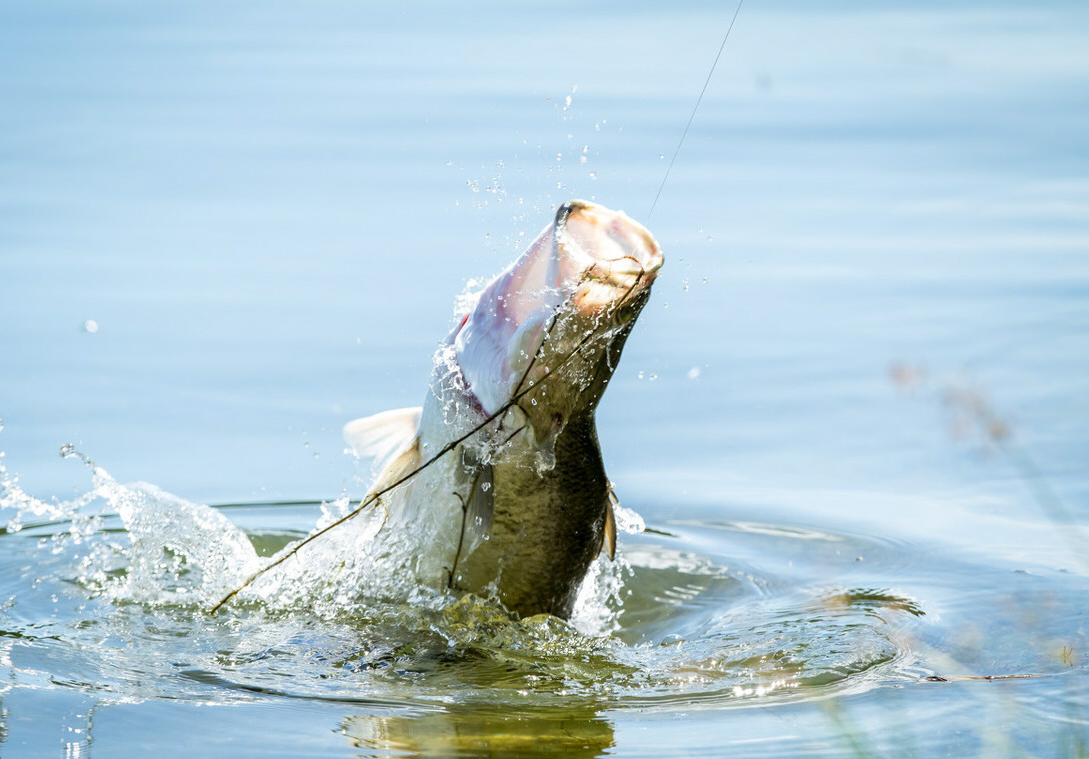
column 504, row 486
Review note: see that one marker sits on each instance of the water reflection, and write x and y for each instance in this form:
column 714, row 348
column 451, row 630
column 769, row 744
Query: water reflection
column 575, row 729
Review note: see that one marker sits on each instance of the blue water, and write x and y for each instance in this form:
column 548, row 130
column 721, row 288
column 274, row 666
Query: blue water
column 227, row 230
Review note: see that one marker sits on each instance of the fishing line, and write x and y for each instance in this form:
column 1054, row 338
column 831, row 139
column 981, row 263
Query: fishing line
column 693, row 116
column 375, row 496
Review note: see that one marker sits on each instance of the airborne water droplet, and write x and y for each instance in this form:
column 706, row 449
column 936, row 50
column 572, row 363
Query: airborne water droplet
column 67, row 450
column 485, row 486
column 533, row 401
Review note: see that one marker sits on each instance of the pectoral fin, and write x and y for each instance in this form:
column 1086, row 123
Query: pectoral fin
column 475, row 481
column 609, row 543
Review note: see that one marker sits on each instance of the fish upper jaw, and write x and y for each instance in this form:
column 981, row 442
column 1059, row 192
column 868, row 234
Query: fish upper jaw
column 584, row 268
column 615, row 254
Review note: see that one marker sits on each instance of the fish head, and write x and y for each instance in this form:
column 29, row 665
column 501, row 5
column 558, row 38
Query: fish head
column 543, row 337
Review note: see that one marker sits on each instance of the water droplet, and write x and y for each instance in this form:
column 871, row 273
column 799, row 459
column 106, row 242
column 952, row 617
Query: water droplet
column 67, row 450
column 640, row 375
column 652, row 377
column 693, row 373
column 533, row 401
column 661, row 156
column 485, row 486
column 90, row 326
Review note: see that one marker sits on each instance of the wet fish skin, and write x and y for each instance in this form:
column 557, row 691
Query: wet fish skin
column 546, row 528
column 522, row 507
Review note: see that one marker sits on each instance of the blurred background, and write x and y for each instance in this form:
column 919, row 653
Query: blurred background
column 227, row 229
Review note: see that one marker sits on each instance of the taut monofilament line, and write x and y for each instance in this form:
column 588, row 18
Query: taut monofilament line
column 695, row 108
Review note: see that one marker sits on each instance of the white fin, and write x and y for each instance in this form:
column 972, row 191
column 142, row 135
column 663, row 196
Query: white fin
column 398, row 467
column 385, row 436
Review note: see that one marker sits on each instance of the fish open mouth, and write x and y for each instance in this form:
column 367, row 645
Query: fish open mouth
column 615, row 253
column 590, row 268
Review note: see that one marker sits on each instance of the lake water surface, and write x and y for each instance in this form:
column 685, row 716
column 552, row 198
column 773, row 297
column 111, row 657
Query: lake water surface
column 855, row 413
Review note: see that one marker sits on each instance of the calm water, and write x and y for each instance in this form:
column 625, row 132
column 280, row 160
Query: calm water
column 855, row 411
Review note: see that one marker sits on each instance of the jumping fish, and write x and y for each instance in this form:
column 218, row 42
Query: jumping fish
column 504, row 488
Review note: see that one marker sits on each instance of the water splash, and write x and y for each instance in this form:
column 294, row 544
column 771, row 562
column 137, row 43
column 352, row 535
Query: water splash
column 343, row 617
column 601, row 597
column 179, row 553
column 26, row 506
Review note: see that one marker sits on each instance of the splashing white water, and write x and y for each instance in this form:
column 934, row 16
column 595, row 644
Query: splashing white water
column 180, row 552
column 189, row 554
column 24, row 505
column 601, row 597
